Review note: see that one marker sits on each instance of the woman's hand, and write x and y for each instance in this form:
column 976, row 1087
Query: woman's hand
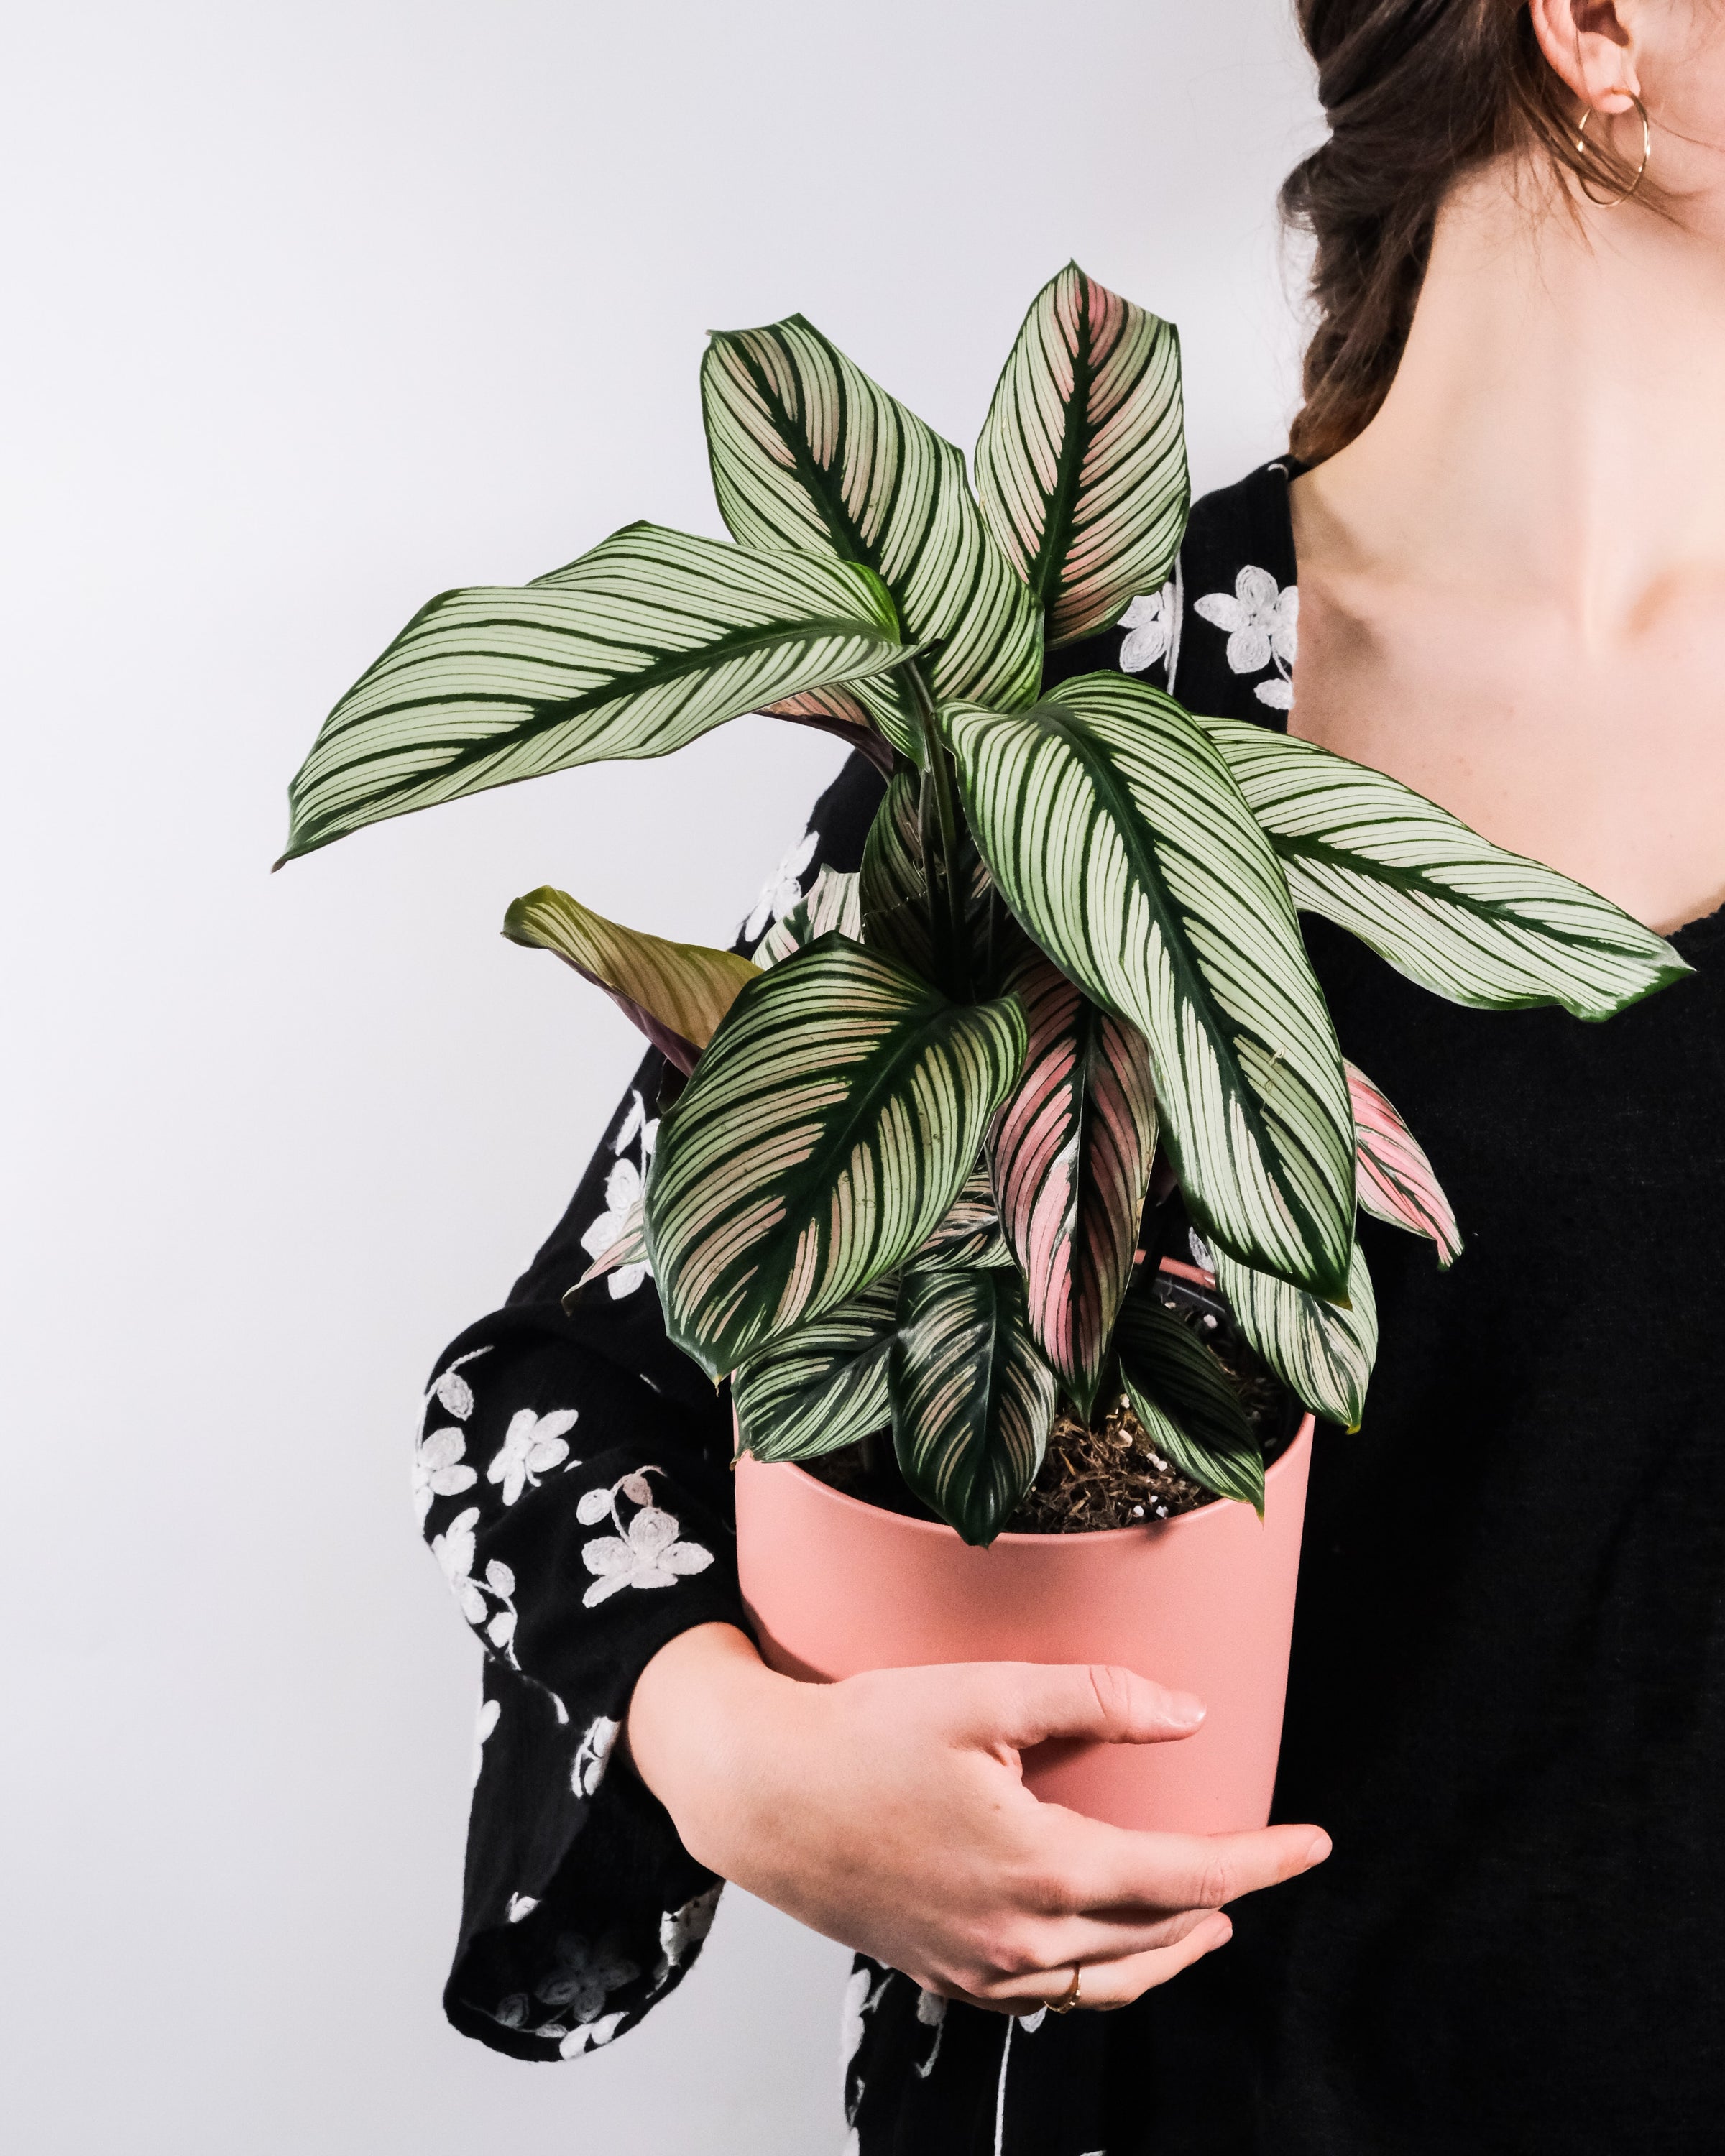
column 888, row 1812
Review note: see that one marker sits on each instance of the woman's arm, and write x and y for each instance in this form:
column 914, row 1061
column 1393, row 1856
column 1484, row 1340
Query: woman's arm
column 888, row 1812
column 573, row 1480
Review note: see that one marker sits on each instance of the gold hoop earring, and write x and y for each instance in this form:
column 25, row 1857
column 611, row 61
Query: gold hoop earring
column 1615, row 202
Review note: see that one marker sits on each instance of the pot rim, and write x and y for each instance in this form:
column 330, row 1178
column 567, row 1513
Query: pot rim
column 1218, row 1508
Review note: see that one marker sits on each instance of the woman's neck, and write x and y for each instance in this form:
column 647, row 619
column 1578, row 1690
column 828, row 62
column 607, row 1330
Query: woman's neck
column 1555, row 432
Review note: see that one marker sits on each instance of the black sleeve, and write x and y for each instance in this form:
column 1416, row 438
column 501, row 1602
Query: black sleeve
column 573, row 1477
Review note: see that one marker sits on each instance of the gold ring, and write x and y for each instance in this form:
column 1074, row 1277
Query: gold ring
column 1071, row 1996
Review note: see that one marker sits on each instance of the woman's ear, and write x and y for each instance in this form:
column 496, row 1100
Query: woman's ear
column 1591, row 44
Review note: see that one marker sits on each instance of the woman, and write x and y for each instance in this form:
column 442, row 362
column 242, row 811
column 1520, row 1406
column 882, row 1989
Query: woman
column 1507, row 505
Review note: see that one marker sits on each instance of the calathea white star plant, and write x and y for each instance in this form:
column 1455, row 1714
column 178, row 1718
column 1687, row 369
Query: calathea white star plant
column 904, row 1183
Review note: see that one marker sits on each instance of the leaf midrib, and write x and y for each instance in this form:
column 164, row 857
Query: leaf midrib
column 1190, row 982
column 548, row 714
column 1060, row 507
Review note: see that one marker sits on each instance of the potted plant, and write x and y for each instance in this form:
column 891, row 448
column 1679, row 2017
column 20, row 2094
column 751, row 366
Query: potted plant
column 925, row 1192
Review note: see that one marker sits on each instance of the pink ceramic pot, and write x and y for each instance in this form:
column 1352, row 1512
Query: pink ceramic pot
column 1203, row 1603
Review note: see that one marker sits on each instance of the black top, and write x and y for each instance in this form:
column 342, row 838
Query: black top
column 1508, row 1699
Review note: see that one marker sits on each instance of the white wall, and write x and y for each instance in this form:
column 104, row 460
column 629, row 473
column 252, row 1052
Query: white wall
column 315, row 310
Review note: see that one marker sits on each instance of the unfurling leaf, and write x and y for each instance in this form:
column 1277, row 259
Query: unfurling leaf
column 835, row 1117
column 808, row 453
column 676, row 992
column 822, row 1386
column 1322, row 1354
column 1440, row 904
column 894, row 888
column 1186, row 1401
column 1071, row 1155
column 1394, row 1178
column 1113, row 831
column 1081, row 466
column 831, row 902
column 651, row 639
column 973, row 1401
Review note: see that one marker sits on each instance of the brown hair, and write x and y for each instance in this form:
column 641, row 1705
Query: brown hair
column 1418, row 93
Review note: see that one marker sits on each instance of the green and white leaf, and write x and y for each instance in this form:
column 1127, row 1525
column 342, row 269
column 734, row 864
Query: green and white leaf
column 1186, row 1401
column 835, row 1117
column 822, row 1386
column 893, row 890
column 831, row 901
column 651, row 639
column 1113, row 831
column 1322, row 1354
column 1081, row 466
column 1440, row 904
column 973, row 1401
column 682, row 990
column 971, row 1234
column 808, row 453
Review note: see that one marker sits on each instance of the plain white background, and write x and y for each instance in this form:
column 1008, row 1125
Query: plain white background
column 313, row 310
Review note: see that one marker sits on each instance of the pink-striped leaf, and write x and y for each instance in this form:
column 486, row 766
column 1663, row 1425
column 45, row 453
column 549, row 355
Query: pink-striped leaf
column 1394, row 1178
column 1081, row 466
column 1071, row 1155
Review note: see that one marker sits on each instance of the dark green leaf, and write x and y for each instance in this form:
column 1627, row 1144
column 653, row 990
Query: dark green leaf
column 973, row 1401
column 1186, row 1401
column 833, row 1119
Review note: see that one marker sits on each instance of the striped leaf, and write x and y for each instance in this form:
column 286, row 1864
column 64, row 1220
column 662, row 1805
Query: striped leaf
column 970, row 1234
column 835, row 711
column 808, row 453
column 651, row 639
column 676, row 992
column 1081, row 466
column 1186, row 1401
column 830, row 902
column 1394, row 1179
column 973, row 1401
column 1439, row 903
column 1071, row 1154
column 835, row 1115
column 822, row 1386
column 1323, row 1355
column 894, row 891
column 1113, row 831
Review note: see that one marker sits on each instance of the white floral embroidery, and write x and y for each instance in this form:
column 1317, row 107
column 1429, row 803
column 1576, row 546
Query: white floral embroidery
column 456, row 1552
column 623, row 1192
column 681, row 1930
column 452, row 1393
column 532, row 1446
column 437, row 1469
column 489, row 1710
column 862, row 1995
column 589, row 2038
column 580, row 1980
column 1263, row 624
column 783, row 888
column 453, row 1550
column 646, row 1553
column 932, row 2012
column 592, row 1755
column 1150, row 624
column 520, row 1906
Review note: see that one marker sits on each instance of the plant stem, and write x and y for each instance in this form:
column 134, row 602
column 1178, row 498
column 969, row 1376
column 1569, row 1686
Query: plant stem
column 951, row 924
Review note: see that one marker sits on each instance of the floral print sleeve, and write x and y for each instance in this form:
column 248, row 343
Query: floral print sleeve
column 572, row 1475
